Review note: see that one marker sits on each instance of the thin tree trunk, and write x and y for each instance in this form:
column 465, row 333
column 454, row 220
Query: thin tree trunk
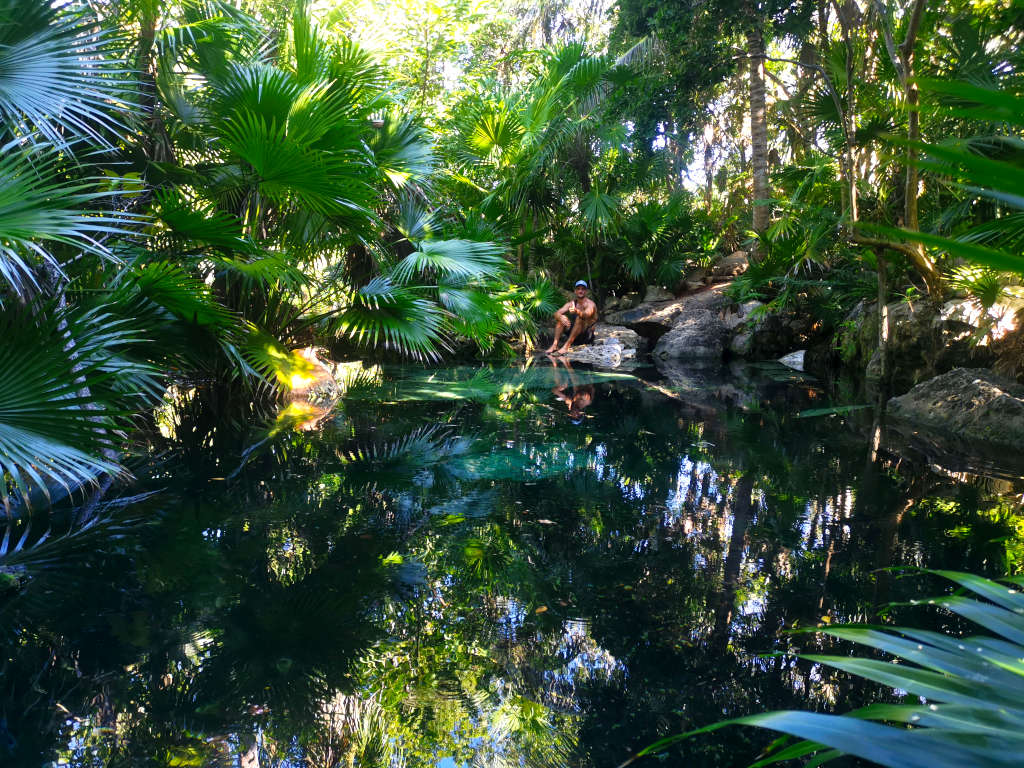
column 758, row 130
column 709, row 165
column 903, row 62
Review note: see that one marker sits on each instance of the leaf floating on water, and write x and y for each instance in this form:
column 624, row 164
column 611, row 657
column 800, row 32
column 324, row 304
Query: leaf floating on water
column 545, row 521
column 837, row 410
column 542, row 609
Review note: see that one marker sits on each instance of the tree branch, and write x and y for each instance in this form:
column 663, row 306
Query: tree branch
column 907, row 49
column 824, row 76
column 874, row 242
column 890, row 43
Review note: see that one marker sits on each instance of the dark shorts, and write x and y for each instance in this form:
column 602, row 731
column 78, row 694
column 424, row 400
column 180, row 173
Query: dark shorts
column 586, row 336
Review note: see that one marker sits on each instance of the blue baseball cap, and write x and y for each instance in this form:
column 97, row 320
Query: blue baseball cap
column 581, row 282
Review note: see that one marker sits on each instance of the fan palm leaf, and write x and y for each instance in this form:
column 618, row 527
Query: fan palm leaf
column 451, row 260
column 40, row 206
column 393, row 317
column 401, row 150
column 65, row 385
column 58, row 78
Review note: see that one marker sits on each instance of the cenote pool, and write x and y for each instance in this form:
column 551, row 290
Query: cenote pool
column 504, row 566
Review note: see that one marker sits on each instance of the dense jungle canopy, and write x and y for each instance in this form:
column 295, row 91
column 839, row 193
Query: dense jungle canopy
column 192, row 190
column 193, row 193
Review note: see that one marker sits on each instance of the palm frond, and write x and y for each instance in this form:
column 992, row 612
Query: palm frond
column 451, row 260
column 64, row 387
column 332, row 183
column 385, row 315
column 401, row 150
column 197, row 223
column 968, row 691
column 40, row 206
column 58, row 76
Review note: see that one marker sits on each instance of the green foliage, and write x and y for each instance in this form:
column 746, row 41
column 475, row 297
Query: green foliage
column 60, row 77
column 969, row 689
column 68, row 382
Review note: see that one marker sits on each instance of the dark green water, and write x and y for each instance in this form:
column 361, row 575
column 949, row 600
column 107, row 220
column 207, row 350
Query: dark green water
column 499, row 569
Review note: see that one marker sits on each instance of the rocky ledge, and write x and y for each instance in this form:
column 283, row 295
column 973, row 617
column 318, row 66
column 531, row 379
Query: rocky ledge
column 692, row 327
column 613, row 346
column 966, row 403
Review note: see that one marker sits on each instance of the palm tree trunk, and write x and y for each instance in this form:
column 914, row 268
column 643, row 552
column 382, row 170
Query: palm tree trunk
column 758, row 129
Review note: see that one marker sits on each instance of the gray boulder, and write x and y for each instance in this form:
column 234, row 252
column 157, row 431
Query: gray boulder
column 657, row 318
column 794, row 360
column 649, row 320
column 630, row 300
column 626, row 337
column 969, row 403
column 698, row 334
column 613, row 346
column 741, row 314
column 742, row 344
column 734, row 264
column 657, row 293
column 924, row 341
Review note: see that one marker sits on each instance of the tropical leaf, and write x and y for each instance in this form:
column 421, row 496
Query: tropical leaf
column 331, row 183
column 451, row 260
column 401, row 150
column 41, row 206
column 599, row 209
column 393, row 317
column 65, row 388
column 59, row 79
column 968, row 690
column 992, row 258
column 200, row 223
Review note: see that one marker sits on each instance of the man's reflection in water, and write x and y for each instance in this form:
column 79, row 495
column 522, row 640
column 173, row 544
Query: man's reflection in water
column 578, row 397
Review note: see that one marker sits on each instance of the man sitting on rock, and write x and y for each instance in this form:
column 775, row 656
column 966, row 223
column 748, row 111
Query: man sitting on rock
column 578, row 317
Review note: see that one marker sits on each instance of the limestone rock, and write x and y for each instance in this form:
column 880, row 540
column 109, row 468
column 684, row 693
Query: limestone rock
column 627, row 337
column 699, row 334
column 969, row 403
column 741, row 344
column 609, row 355
column 648, row 319
column 734, row 264
column 658, row 318
column 742, row 314
column 612, row 346
column 924, row 341
column 630, row 300
column 693, row 280
column 657, row 293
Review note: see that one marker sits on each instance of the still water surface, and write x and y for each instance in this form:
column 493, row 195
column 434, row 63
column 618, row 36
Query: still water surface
column 538, row 566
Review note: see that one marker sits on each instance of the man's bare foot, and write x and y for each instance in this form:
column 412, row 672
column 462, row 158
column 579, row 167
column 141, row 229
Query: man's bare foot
column 563, row 350
column 549, row 350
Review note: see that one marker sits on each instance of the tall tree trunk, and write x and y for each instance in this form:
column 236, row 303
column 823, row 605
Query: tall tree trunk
column 758, row 129
column 709, row 165
column 903, row 62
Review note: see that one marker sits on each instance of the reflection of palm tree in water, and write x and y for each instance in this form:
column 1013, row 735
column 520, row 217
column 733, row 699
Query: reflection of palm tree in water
column 579, row 398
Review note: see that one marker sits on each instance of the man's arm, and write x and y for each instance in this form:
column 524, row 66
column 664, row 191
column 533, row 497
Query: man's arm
column 560, row 317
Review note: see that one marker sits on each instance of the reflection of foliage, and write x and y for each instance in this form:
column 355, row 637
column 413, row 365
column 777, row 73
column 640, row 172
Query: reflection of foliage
column 477, row 578
column 968, row 690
